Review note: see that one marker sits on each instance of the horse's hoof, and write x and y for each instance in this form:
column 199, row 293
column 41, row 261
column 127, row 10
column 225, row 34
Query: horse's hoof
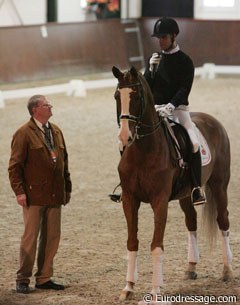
column 126, row 295
column 190, row 275
column 227, row 276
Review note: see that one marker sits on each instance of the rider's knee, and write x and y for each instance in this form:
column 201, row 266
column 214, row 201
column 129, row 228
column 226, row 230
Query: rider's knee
column 196, row 147
column 194, row 140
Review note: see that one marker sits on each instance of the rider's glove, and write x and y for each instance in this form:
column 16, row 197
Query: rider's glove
column 154, row 61
column 166, row 110
column 159, row 107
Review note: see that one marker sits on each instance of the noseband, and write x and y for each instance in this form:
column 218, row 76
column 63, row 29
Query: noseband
column 131, row 117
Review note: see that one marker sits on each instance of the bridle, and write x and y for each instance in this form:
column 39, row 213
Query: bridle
column 138, row 119
column 131, row 117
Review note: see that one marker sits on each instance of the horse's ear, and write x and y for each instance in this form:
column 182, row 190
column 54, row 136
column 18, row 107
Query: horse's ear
column 134, row 71
column 116, row 72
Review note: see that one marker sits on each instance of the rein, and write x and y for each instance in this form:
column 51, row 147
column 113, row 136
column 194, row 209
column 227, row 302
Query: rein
column 138, row 119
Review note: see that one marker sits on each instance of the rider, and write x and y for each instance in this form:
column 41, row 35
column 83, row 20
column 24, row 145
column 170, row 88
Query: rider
column 170, row 74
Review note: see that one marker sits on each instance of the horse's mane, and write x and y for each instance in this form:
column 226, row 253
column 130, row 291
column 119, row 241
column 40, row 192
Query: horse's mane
column 146, row 89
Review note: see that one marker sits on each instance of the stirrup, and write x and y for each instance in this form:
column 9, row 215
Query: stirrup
column 200, row 198
column 116, row 197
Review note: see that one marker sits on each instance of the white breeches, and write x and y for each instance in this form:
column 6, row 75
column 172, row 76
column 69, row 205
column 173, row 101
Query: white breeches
column 181, row 115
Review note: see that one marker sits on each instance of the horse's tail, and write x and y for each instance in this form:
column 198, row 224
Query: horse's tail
column 209, row 217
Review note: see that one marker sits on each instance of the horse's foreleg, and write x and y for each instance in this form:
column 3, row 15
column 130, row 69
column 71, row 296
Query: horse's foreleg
column 191, row 224
column 160, row 217
column 131, row 213
column 132, row 276
column 157, row 279
column 227, row 256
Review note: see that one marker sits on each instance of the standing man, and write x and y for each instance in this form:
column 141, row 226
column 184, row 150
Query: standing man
column 40, row 179
column 170, row 74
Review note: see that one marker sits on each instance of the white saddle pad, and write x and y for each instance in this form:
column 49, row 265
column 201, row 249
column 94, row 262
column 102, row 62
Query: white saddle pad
column 204, row 149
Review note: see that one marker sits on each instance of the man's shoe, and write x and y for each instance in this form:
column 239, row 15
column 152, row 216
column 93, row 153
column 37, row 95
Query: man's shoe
column 198, row 196
column 115, row 197
column 22, row 288
column 50, row 285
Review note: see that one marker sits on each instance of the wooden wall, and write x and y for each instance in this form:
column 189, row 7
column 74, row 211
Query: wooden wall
column 75, row 49
column 204, row 40
column 69, row 49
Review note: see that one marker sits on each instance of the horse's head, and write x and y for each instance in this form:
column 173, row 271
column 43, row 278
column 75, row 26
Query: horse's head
column 131, row 96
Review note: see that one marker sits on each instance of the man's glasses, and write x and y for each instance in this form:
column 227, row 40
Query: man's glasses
column 47, row 105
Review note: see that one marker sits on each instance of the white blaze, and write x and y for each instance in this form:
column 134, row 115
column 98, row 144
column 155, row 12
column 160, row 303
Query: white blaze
column 124, row 132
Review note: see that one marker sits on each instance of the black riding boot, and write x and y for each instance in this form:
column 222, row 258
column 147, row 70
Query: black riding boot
column 198, row 195
column 117, row 197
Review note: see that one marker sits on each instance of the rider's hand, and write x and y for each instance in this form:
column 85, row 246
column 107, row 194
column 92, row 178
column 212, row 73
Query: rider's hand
column 159, row 107
column 154, row 61
column 166, row 110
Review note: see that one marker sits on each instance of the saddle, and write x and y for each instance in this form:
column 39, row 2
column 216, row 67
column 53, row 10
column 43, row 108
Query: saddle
column 180, row 147
column 179, row 142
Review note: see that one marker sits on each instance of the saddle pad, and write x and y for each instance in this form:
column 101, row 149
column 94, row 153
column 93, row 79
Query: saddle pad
column 204, row 149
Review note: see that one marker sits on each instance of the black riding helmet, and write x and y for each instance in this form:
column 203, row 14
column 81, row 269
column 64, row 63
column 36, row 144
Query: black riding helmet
column 165, row 26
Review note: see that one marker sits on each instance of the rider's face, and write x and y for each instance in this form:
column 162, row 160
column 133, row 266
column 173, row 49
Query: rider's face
column 166, row 42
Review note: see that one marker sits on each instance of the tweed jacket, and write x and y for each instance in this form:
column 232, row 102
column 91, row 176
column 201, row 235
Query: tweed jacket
column 32, row 170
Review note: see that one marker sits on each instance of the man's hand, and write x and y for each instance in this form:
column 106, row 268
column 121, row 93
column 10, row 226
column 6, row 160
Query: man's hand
column 68, row 197
column 22, row 200
column 165, row 110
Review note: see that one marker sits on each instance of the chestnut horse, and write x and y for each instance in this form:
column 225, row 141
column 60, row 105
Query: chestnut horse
column 148, row 175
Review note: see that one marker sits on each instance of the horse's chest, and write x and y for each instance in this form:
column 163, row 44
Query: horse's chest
column 142, row 179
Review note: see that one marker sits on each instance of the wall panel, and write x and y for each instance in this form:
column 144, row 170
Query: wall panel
column 74, row 49
column 204, row 40
column 69, row 49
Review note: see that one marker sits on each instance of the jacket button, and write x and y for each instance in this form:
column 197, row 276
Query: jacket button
column 53, row 195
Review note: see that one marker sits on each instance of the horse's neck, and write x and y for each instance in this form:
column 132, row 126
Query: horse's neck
column 150, row 151
column 152, row 131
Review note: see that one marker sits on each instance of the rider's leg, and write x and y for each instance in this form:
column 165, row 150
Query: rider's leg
column 183, row 116
column 198, row 195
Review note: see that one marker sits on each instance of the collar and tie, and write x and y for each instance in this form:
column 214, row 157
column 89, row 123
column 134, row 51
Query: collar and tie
column 47, row 136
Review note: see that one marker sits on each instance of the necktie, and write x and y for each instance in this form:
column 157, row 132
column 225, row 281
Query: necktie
column 47, row 136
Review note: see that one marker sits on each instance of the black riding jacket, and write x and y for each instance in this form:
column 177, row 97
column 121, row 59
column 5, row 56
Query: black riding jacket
column 173, row 79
